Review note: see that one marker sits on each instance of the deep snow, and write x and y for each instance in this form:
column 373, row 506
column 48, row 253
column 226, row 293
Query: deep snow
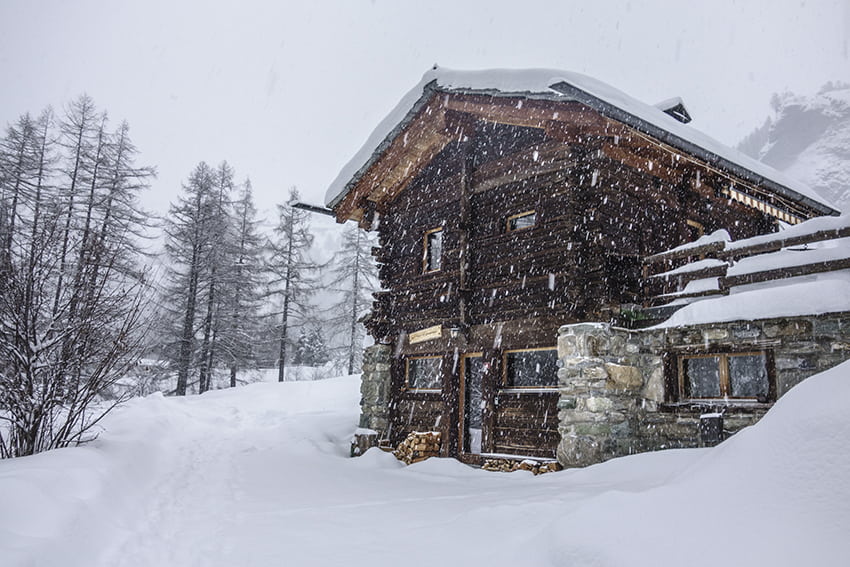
column 259, row 475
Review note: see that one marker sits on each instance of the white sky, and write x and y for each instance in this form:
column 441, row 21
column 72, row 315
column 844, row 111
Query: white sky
column 287, row 92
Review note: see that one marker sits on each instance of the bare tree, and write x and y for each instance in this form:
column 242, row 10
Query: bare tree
column 70, row 318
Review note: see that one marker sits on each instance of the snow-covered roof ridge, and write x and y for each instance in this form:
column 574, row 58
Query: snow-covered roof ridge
column 813, row 226
column 550, row 84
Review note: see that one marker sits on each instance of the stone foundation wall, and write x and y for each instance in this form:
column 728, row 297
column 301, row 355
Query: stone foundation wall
column 375, row 388
column 374, row 399
column 612, row 380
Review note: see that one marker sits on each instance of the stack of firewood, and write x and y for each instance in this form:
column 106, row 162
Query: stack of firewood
column 510, row 465
column 418, row 446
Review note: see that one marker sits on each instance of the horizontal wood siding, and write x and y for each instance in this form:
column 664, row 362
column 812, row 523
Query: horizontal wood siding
column 526, row 424
column 600, row 208
column 417, row 412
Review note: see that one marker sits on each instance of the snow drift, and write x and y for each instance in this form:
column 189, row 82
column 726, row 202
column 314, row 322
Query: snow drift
column 259, row 476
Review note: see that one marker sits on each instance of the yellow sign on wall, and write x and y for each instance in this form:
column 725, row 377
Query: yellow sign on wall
column 427, row 334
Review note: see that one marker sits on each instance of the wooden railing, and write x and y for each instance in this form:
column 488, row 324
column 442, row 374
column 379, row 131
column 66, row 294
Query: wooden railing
column 697, row 271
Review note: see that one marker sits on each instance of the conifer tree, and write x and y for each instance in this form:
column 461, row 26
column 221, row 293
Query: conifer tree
column 311, row 349
column 218, row 270
column 354, row 276
column 241, row 297
column 292, row 272
column 188, row 245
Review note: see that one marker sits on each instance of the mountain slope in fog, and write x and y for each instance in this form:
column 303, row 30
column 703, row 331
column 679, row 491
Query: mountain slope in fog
column 808, row 138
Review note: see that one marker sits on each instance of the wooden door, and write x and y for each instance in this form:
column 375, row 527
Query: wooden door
column 472, row 403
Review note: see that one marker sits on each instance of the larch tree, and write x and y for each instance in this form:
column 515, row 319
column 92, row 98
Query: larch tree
column 354, row 277
column 291, row 272
column 241, row 297
column 214, row 278
column 218, row 272
column 188, row 242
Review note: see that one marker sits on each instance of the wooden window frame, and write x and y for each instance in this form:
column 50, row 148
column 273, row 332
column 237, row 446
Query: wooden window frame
column 724, row 376
column 408, row 386
column 425, row 268
column 697, row 225
column 512, row 218
column 506, row 386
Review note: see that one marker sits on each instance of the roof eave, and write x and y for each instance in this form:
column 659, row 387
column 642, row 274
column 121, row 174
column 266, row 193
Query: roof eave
column 568, row 92
column 659, row 133
column 427, row 92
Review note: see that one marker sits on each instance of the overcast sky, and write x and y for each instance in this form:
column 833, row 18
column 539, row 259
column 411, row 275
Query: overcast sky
column 287, row 92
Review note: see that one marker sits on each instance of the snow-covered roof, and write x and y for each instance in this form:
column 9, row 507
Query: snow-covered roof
column 821, row 241
column 562, row 86
column 811, row 226
column 805, row 295
column 827, row 251
column 706, row 264
column 719, row 237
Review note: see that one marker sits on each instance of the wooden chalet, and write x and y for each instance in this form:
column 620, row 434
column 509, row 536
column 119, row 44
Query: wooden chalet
column 510, row 203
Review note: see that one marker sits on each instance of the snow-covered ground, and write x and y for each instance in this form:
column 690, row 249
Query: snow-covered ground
column 259, row 475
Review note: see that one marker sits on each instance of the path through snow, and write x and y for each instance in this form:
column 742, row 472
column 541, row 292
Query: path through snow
column 259, row 476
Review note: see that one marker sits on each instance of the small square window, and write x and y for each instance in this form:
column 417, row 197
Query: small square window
column 522, row 221
column 702, row 376
column 748, row 376
column 533, row 368
column 424, row 373
column 433, row 258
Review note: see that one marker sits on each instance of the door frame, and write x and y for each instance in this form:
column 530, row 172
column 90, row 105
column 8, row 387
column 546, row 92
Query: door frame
column 463, row 454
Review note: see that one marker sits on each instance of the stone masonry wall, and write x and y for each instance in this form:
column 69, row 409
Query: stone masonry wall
column 612, row 380
column 375, row 388
column 374, row 399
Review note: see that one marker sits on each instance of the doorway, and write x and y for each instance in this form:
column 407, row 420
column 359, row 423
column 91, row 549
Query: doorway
column 472, row 405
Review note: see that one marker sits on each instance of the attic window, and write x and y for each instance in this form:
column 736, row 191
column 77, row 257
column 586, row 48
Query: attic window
column 521, row 221
column 737, row 376
column 433, row 250
column 675, row 108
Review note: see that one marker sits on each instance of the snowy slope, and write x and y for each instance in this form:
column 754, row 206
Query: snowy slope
column 808, row 139
column 258, row 476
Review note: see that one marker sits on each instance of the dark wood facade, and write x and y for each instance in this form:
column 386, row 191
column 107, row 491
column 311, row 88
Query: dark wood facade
column 603, row 196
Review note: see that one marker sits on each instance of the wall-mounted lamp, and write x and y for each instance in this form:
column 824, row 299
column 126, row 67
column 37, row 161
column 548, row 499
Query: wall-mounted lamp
column 454, row 332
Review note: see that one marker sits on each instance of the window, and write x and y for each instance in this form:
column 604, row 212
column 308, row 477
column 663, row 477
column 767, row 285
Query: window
column 522, row 221
column 695, row 229
column 424, row 373
column 532, row 368
column 742, row 376
column 433, row 258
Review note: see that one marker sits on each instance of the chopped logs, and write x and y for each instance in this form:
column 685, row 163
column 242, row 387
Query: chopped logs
column 418, row 446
